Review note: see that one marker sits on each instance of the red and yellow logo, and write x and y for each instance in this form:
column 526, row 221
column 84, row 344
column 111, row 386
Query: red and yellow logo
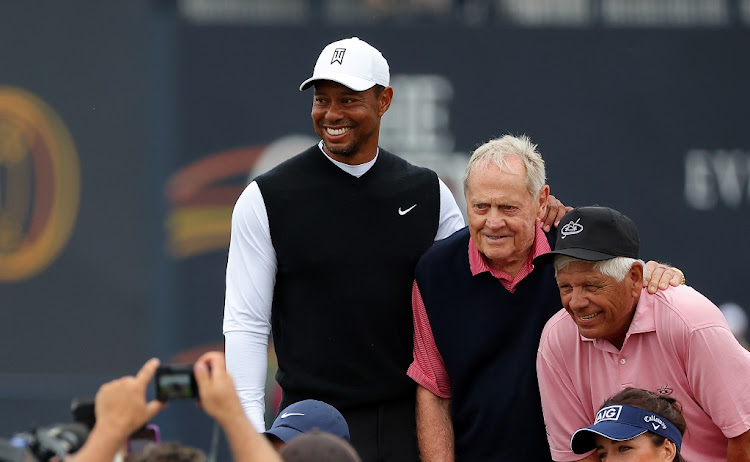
column 202, row 195
column 40, row 185
column 202, row 201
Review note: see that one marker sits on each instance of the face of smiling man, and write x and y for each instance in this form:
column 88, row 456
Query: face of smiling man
column 502, row 214
column 600, row 306
column 348, row 121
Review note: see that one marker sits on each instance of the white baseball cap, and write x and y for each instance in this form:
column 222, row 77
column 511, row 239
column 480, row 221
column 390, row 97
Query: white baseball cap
column 351, row 62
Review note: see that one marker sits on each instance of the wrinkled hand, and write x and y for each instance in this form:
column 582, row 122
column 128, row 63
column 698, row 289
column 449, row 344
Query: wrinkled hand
column 121, row 406
column 218, row 396
column 555, row 211
column 659, row 276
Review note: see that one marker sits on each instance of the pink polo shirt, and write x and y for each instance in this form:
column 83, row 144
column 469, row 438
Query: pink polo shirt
column 678, row 343
column 428, row 368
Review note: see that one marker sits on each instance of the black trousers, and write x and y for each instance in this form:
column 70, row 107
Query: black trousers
column 383, row 432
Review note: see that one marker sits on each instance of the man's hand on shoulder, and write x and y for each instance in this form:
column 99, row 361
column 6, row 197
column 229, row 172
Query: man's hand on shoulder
column 659, row 276
column 555, row 211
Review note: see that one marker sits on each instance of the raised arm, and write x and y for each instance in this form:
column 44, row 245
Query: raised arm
column 121, row 408
column 219, row 399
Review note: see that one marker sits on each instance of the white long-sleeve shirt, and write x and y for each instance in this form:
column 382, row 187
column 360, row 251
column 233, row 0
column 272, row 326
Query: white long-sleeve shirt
column 250, row 279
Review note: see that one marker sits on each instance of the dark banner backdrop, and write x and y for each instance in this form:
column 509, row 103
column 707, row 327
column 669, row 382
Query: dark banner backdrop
column 169, row 121
column 652, row 122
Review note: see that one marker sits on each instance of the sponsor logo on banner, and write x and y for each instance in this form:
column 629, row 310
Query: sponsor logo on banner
column 39, row 185
column 718, row 178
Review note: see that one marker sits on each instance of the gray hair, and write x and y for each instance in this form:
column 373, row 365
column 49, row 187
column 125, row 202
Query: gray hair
column 497, row 151
column 616, row 268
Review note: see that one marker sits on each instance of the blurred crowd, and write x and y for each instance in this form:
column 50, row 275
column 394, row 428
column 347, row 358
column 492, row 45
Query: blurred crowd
column 533, row 13
column 306, row 431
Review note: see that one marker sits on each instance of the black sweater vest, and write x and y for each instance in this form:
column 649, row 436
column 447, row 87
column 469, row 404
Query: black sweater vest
column 346, row 249
column 488, row 338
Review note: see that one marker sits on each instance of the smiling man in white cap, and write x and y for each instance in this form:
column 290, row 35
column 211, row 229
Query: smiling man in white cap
column 341, row 321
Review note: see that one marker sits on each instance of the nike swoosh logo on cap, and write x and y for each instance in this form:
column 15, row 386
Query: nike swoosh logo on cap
column 404, row 212
column 287, row 414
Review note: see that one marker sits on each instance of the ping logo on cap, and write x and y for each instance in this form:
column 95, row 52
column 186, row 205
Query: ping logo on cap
column 338, row 56
column 573, row 227
column 608, row 413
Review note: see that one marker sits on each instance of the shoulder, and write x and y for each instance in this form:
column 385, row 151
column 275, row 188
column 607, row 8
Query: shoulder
column 559, row 331
column 458, row 241
column 292, row 164
column 685, row 306
column 399, row 163
column 250, row 199
column 442, row 255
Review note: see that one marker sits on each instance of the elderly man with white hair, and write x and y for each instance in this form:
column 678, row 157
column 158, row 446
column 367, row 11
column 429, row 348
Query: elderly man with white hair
column 613, row 334
column 479, row 307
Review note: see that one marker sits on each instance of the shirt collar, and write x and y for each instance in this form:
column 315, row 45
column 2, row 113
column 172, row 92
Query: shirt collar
column 354, row 170
column 479, row 263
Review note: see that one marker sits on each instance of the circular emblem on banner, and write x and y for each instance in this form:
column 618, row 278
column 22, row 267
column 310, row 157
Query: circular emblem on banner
column 40, row 185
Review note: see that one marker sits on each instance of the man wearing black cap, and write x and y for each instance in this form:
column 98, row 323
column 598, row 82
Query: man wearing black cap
column 612, row 334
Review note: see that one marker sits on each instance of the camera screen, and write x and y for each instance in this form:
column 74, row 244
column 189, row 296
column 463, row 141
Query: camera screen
column 173, row 382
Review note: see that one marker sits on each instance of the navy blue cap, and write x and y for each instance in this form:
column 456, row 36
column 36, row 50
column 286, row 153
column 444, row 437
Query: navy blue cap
column 303, row 416
column 621, row 422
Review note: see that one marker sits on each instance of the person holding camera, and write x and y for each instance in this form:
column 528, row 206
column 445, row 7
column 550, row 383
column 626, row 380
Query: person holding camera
column 121, row 408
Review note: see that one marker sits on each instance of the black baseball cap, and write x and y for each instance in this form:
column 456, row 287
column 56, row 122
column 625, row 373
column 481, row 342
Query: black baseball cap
column 594, row 233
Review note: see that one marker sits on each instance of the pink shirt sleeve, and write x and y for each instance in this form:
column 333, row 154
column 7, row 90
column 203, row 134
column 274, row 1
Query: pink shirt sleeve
column 717, row 362
column 428, row 368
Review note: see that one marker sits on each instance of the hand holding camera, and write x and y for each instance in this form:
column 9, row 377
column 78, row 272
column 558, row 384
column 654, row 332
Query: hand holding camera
column 121, row 404
column 218, row 397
